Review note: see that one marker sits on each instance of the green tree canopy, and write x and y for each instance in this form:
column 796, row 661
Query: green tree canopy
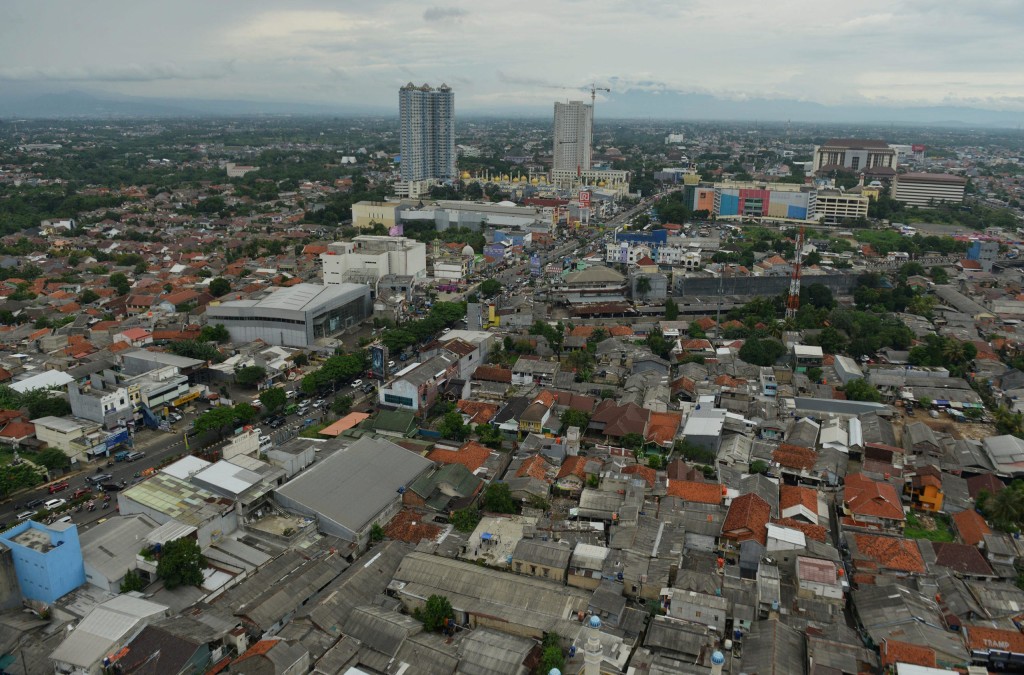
column 453, row 427
column 219, row 287
column 120, row 283
column 498, row 499
column 53, row 458
column 574, row 418
column 216, row 333
column 273, row 398
column 181, row 563
column 250, row 376
column 762, row 351
column 490, row 288
column 435, row 613
column 861, row 390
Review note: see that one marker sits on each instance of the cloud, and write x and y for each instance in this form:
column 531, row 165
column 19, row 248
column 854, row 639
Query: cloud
column 445, row 14
column 129, row 72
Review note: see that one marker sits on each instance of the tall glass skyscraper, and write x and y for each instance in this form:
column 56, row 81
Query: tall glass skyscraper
column 574, row 133
column 427, row 132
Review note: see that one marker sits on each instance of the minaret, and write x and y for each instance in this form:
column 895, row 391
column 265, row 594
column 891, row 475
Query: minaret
column 717, row 662
column 592, row 652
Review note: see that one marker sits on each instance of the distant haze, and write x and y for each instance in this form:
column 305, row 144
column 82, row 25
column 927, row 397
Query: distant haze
column 889, row 61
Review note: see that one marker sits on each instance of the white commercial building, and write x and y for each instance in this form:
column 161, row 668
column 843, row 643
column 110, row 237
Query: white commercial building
column 574, row 131
column 928, row 189
column 427, row 132
column 833, row 206
column 367, row 258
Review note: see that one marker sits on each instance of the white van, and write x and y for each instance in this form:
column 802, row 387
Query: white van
column 265, row 443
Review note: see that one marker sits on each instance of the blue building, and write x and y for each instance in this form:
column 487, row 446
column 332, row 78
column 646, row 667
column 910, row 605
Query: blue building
column 652, row 238
column 47, row 559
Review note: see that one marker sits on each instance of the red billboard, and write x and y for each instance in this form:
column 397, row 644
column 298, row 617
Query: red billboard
column 917, row 148
column 585, row 200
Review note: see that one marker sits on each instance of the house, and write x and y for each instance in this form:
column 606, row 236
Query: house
column 962, row 559
column 925, row 488
column 874, row 554
column 544, row 559
column 273, row 655
column 919, row 439
column 538, row 417
column 450, row 487
column 575, row 472
column 747, row 519
column 821, row 579
column 534, row 371
column 418, row 387
column 872, row 504
column 995, row 648
column 799, row 503
column 615, row 421
column 971, row 527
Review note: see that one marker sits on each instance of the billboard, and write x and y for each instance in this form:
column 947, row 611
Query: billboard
column 585, row 199
column 396, row 231
column 379, row 361
column 917, row 148
column 116, row 439
column 535, row 265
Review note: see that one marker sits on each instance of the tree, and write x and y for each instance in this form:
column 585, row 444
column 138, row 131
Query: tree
column 861, row 390
column 219, row 287
column 574, row 418
column 342, row 405
column 181, row 563
column 819, row 296
column 244, row 412
column 215, row 419
column 216, row 333
column 452, row 426
column 376, row 533
column 671, row 310
column 939, row 275
column 643, row 286
column 490, row 288
column 654, row 461
column 632, row 440
column 551, row 655
column 273, row 398
column 88, row 296
column 762, row 351
column 250, row 376
column 45, row 403
column 758, row 466
column 120, row 283
column 465, row 520
column 498, row 499
column 52, row 458
column 132, row 582
column 436, row 613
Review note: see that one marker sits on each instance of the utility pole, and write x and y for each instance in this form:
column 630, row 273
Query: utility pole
column 793, row 302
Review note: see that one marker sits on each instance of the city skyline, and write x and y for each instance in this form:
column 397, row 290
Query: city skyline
column 348, row 55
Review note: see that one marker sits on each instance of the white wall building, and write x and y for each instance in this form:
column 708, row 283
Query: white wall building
column 574, row 131
column 927, row 189
column 367, row 258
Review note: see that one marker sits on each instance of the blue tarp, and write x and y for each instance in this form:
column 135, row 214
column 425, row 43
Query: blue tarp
column 486, row 536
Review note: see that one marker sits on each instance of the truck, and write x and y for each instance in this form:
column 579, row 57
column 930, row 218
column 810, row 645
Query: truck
column 121, row 456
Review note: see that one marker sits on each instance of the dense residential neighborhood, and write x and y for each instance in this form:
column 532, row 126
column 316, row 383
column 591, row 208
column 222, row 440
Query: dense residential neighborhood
column 270, row 405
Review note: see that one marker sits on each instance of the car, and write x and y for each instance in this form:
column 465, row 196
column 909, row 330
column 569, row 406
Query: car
column 176, row 417
column 57, row 487
column 25, row 515
column 96, row 480
column 368, row 387
column 391, row 364
column 133, row 456
column 52, row 504
column 64, row 519
column 80, row 492
column 319, row 403
column 447, row 330
column 356, row 384
column 33, row 503
column 277, row 422
column 291, row 393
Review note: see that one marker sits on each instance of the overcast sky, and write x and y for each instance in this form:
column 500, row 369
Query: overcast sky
column 519, row 53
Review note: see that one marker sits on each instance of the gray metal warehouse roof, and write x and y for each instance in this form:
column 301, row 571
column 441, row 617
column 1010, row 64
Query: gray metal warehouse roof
column 354, row 484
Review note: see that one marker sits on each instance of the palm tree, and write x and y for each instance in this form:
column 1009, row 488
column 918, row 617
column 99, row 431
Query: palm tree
column 953, row 351
column 643, row 286
column 1006, row 509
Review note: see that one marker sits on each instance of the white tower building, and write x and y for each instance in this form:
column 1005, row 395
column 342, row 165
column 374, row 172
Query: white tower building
column 574, row 134
column 592, row 652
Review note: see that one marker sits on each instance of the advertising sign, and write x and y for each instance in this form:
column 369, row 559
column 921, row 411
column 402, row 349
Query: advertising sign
column 396, row 231
column 535, row 265
column 379, row 361
column 117, row 439
column 917, row 148
column 585, row 199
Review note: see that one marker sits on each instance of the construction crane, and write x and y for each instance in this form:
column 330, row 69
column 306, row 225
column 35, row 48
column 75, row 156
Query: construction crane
column 593, row 92
column 793, row 301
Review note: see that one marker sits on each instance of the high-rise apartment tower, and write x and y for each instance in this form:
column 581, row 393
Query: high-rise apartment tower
column 427, row 137
column 574, row 133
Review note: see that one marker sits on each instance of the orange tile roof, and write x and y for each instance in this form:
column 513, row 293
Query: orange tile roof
column 794, row 495
column 649, row 475
column 662, row 427
column 546, row 398
column 794, row 456
column 995, row 639
column 706, row 323
column 865, row 497
column 890, row 552
column 691, row 491
column 471, row 455
column 971, row 526
column 574, row 466
column 479, row 412
column 620, row 331
column 119, row 347
column 894, row 651
column 408, row 526
column 582, row 331
column 534, row 467
column 18, row 429
column 815, row 532
column 747, row 519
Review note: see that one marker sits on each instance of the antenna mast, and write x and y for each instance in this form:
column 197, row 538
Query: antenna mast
column 793, row 302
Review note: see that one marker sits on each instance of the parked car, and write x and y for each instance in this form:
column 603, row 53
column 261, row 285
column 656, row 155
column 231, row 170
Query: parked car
column 52, row 504
column 57, row 487
column 368, row 388
column 25, row 515
column 276, row 422
column 356, row 384
column 176, row 417
column 391, row 364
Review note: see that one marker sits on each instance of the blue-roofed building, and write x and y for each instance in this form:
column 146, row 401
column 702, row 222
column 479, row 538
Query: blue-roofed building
column 47, row 559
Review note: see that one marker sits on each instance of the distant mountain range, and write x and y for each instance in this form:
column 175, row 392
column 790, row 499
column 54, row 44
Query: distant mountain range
column 662, row 105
